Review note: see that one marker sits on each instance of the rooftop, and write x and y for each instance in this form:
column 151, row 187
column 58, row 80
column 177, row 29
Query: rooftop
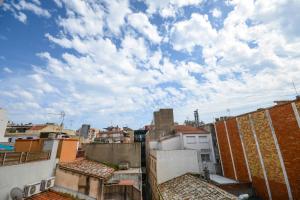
column 88, row 167
column 192, row 188
column 50, row 195
column 186, row 129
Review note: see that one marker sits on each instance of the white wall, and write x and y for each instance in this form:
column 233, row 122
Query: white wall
column 27, row 173
column 172, row 143
column 171, row 164
column 3, row 124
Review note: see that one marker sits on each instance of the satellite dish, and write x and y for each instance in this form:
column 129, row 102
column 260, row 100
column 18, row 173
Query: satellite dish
column 16, row 194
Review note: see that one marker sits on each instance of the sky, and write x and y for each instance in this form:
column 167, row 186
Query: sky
column 114, row 62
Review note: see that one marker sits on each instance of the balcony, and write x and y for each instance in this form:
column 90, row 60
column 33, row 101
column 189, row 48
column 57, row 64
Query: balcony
column 15, row 158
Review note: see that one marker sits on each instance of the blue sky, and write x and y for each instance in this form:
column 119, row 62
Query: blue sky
column 116, row 61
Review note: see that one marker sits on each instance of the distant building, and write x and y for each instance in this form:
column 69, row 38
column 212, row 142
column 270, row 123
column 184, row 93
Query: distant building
column 263, row 147
column 3, row 124
column 173, row 150
column 34, row 131
column 115, row 135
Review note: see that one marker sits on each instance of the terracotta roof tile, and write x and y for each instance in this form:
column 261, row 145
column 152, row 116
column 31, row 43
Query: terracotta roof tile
column 192, row 188
column 185, row 129
column 50, row 195
column 88, row 167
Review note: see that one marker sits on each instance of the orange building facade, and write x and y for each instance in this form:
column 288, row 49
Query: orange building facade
column 66, row 151
column 263, row 147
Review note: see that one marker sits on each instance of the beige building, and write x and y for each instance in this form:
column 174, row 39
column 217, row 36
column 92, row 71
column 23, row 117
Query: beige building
column 33, row 131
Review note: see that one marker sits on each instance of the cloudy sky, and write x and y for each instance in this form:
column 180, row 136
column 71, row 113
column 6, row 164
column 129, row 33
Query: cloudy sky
column 116, row 61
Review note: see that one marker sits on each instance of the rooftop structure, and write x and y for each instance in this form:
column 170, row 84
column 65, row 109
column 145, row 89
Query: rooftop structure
column 88, row 167
column 190, row 187
column 50, row 195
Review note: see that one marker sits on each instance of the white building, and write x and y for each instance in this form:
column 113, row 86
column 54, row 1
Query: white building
column 188, row 150
column 3, row 124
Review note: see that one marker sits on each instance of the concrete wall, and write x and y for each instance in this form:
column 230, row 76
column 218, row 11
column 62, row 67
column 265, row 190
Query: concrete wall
column 171, row 164
column 264, row 149
column 69, row 182
column 3, row 124
column 115, row 153
column 28, row 173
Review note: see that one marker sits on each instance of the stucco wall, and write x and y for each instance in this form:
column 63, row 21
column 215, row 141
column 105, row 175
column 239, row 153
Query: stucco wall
column 28, row 173
column 171, row 164
column 3, row 124
column 170, row 143
column 115, row 153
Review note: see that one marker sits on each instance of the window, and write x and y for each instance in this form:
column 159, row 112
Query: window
column 203, row 139
column 205, row 158
column 190, row 139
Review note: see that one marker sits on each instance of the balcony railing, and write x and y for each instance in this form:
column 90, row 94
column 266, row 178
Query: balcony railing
column 15, row 158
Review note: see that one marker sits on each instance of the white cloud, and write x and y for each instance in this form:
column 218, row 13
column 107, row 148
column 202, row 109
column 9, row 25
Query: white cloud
column 115, row 21
column 102, row 80
column 7, row 70
column 18, row 9
column 195, row 31
column 170, row 7
column 216, row 13
column 141, row 22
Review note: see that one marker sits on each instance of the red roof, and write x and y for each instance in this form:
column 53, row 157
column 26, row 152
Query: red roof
column 50, row 195
column 186, row 129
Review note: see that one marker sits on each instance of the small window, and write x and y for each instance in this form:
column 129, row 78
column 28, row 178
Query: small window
column 205, row 158
column 203, row 139
column 191, row 140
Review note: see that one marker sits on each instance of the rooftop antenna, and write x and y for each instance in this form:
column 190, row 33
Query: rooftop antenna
column 228, row 111
column 295, row 89
column 196, row 116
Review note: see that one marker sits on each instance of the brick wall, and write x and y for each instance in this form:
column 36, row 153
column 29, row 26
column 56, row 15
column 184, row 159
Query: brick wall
column 278, row 142
column 252, row 156
column 224, row 150
column 288, row 136
column 237, row 151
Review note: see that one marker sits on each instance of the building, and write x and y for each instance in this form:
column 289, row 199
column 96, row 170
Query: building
column 28, row 173
column 35, row 131
column 83, row 178
column 262, row 147
column 125, row 158
column 190, row 187
column 173, row 150
column 115, row 135
column 3, row 124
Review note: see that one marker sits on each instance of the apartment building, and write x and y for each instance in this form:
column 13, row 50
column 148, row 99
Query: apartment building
column 173, row 150
column 262, row 147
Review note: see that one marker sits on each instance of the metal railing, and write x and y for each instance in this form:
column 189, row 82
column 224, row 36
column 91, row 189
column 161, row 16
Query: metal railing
column 15, row 158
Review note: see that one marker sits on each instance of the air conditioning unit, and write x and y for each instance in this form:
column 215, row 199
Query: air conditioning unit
column 124, row 165
column 47, row 183
column 32, row 189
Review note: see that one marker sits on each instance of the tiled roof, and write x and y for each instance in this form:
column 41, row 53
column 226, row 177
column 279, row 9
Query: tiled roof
column 189, row 187
column 50, row 195
column 88, row 167
column 185, row 129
